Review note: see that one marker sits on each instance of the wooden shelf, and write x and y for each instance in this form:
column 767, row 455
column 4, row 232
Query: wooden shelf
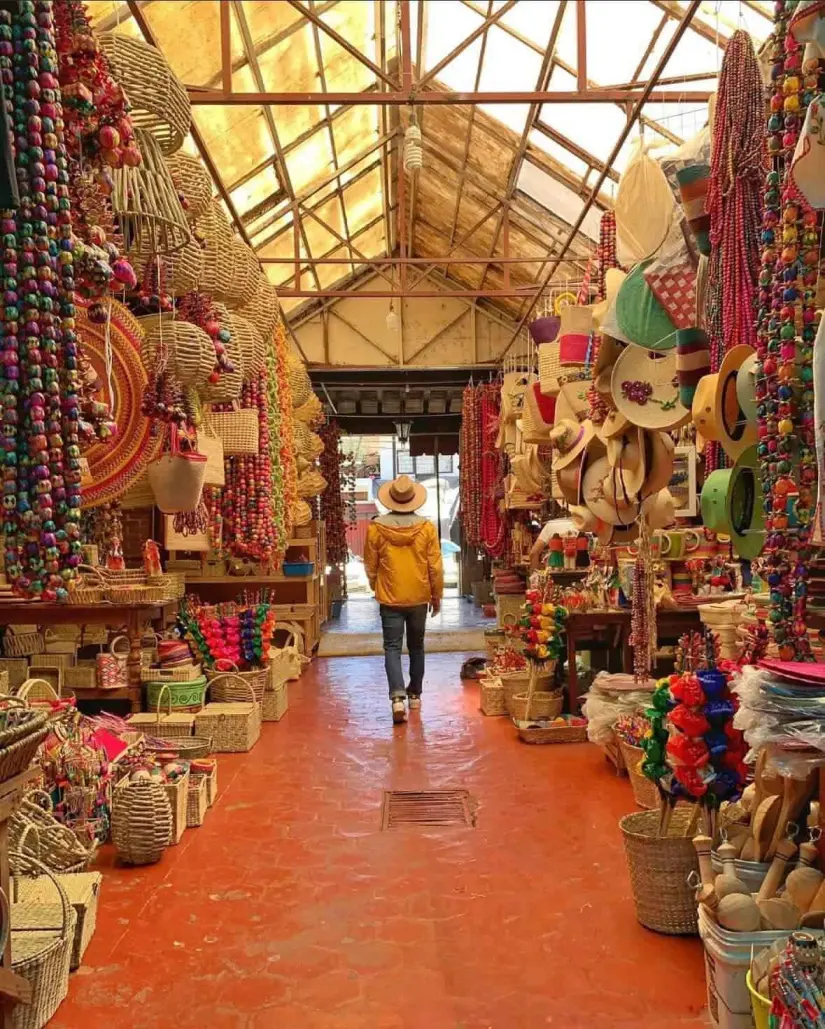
column 248, row 580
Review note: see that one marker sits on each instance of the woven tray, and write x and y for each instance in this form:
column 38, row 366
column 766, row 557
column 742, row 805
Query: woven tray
column 553, row 734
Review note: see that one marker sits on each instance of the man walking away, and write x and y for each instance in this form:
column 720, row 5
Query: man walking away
column 402, row 558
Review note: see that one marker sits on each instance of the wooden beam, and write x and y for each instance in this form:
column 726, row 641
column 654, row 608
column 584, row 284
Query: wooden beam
column 117, row 17
column 581, row 46
column 487, row 23
column 202, row 148
column 405, row 57
column 574, row 148
column 448, row 98
column 465, row 294
column 379, row 11
column 344, row 242
column 343, row 43
column 420, row 45
column 226, row 47
column 681, row 29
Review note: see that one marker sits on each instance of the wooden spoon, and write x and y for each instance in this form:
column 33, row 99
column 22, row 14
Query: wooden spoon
column 772, row 881
column 794, row 796
column 764, row 824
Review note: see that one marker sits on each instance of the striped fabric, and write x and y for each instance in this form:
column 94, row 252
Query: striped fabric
column 692, row 362
column 693, row 185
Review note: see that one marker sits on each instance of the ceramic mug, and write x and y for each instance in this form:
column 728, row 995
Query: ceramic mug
column 682, row 541
column 659, row 545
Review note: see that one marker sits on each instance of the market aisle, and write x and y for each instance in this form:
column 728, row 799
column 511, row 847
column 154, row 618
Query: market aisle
column 290, row 908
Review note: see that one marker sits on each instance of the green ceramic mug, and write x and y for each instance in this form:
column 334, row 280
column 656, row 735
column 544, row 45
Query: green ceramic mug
column 682, row 541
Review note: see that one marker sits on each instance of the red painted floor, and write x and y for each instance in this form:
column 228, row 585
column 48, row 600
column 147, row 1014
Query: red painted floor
column 290, row 908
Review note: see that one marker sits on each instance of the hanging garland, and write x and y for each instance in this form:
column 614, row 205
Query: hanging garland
column 786, row 328
column 41, row 475
column 470, row 465
column 332, row 499
column 286, row 451
column 606, row 258
column 494, row 535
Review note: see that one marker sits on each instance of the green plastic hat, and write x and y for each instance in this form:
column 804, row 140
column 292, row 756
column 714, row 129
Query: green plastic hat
column 641, row 317
column 715, row 500
column 745, row 513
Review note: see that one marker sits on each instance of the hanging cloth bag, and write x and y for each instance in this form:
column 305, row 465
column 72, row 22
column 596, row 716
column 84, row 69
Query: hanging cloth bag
column 644, row 207
column 176, row 477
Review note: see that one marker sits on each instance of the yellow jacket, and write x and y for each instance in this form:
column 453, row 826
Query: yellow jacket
column 402, row 559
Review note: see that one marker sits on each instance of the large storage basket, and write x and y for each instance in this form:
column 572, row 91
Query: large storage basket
column 541, row 705
column 196, row 801
column 644, row 790
column 192, row 180
column 234, row 727
column 275, row 701
column 82, row 891
column 158, row 99
column 177, row 794
column 190, row 353
column 42, row 940
column 226, row 687
column 141, row 821
column 491, row 696
column 659, row 869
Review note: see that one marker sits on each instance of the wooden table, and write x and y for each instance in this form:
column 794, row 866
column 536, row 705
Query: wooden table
column 583, row 627
column 132, row 618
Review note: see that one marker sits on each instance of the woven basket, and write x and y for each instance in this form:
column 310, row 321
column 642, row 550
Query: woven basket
column 253, row 357
column 197, row 801
column 311, row 412
column 549, row 368
column 139, row 495
column 298, row 380
column 172, row 583
column 644, row 790
column 183, row 696
column 242, row 276
column 227, row 687
column 659, row 869
column 147, row 205
column 23, row 644
column 52, row 843
column 542, row 706
column 129, row 596
column 239, row 431
column 306, row 443
column 79, row 677
column 229, row 385
column 553, row 734
column 263, row 309
column 302, row 519
column 41, row 954
column 141, row 822
column 34, row 690
column 180, row 272
column 181, row 673
column 275, row 701
column 18, row 746
column 215, row 232
column 192, row 180
column 158, row 100
column 88, row 586
column 234, row 727
column 189, row 352
column 311, row 484
column 492, row 699
column 13, row 673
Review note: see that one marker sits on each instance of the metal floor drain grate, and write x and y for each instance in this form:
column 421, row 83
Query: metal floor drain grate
column 427, row 807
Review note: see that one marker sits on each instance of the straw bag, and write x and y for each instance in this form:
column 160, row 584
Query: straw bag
column 549, row 368
column 298, row 380
column 211, row 445
column 42, row 939
column 141, row 821
column 182, row 348
column 177, row 477
column 643, row 207
column 238, row 431
column 147, row 204
column 228, row 686
column 659, row 868
column 644, row 790
column 192, row 179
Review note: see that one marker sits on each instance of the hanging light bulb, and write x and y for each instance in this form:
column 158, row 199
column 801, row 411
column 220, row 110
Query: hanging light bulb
column 413, row 150
column 392, row 319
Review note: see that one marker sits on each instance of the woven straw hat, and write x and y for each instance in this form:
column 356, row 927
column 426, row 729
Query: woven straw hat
column 626, row 455
column 402, row 494
column 595, row 496
column 736, row 432
column 659, row 511
column 569, row 439
column 646, row 390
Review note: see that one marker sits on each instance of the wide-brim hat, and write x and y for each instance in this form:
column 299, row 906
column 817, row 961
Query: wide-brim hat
column 402, row 494
column 569, row 438
column 746, row 387
column 744, row 506
column 584, row 520
column 595, row 497
column 569, row 480
column 659, row 511
column 614, row 423
column 703, row 410
column 736, row 432
column 621, row 536
column 572, row 403
column 659, row 451
column 645, row 389
column 626, row 456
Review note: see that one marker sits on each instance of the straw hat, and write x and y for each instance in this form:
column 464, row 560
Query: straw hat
column 569, row 439
column 703, row 410
column 659, row 511
column 584, row 520
column 572, row 403
column 659, row 449
column 569, row 481
column 746, row 387
column 614, row 423
column 645, row 389
column 595, row 497
column 736, row 432
column 402, row 494
column 626, row 455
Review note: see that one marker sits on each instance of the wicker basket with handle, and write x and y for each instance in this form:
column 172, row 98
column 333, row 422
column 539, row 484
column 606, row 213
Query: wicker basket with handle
column 41, row 953
column 158, row 99
column 197, row 801
column 644, row 790
column 231, row 685
column 235, row 727
column 171, row 725
column 54, row 844
column 239, row 431
column 179, row 272
column 536, row 706
column 659, row 868
column 492, row 699
column 22, row 644
column 141, row 821
column 192, row 179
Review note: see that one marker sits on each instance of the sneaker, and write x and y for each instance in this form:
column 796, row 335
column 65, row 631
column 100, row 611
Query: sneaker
column 399, row 711
column 415, row 703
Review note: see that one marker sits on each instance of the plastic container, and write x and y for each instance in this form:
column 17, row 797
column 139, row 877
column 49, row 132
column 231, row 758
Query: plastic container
column 761, row 1006
column 750, row 872
column 298, row 568
column 727, row 961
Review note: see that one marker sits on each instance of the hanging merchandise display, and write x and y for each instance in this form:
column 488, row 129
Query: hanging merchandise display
column 786, row 328
column 333, row 499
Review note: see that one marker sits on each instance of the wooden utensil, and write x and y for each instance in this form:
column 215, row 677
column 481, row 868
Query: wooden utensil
column 808, row 854
column 778, row 913
column 739, row 913
column 702, row 845
column 765, row 820
column 794, row 796
column 818, row 903
column 814, row 919
column 802, row 886
column 748, row 796
column 727, row 882
column 706, row 898
column 776, row 873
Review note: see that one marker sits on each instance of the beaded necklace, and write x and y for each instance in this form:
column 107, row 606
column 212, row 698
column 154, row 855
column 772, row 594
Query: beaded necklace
column 41, row 474
column 470, row 465
column 786, row 327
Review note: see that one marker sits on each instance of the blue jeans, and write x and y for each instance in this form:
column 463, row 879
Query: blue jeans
column 394, row 620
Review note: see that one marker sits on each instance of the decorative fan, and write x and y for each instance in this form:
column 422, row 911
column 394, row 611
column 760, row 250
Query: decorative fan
column 118, row 463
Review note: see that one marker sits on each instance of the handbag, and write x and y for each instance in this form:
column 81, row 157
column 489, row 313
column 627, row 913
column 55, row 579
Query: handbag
column 210, row 444
column 177, row 477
